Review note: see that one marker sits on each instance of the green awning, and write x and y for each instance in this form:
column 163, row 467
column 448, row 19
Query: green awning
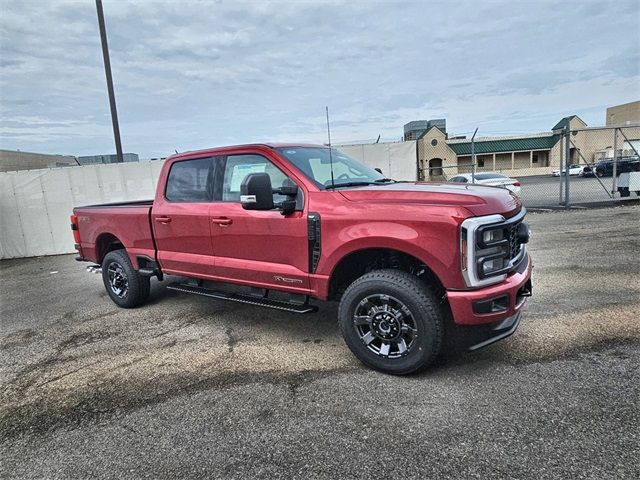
column 507, row 145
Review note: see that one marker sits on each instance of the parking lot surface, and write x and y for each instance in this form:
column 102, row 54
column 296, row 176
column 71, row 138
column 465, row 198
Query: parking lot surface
column 194, row 387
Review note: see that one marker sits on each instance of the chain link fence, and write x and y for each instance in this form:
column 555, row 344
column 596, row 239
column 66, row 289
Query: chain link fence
column 603, row 165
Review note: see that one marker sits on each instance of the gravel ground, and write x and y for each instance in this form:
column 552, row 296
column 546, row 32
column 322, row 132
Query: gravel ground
column 193, row 387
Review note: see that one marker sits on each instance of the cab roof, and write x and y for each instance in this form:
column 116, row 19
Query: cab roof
column 230, row 148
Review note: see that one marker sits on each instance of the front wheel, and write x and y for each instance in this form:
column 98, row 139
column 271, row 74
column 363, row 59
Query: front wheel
column 391, row 321
column 126, row 287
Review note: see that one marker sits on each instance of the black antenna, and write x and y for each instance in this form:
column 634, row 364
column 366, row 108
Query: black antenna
column 333, row 185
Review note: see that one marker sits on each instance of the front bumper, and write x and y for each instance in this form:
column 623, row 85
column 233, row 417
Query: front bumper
column 516, row 288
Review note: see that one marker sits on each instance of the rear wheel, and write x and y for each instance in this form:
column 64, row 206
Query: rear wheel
column 391, row 321
column 126, row 287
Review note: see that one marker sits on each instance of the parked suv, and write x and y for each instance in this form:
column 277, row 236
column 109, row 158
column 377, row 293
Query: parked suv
column 604, row 168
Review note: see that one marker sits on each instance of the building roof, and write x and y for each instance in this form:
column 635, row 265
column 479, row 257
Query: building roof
column 564, row 123
column 12, row 160
column 431, row 128
column 505, row 145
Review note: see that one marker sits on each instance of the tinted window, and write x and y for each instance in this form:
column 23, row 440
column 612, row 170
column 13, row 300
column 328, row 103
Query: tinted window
column 459, row 180
column 239, row 166
column 190, row 181
column 488, row 176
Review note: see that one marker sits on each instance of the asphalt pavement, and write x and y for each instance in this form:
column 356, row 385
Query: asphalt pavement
column 198, row 388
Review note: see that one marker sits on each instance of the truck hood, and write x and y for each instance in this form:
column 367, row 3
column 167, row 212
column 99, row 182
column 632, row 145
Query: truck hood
column 479, row 200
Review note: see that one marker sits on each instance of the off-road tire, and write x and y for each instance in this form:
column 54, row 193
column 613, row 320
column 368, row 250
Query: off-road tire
column 419, row 299
column 137, row 286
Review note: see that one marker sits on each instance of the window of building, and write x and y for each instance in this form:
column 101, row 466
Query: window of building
column 480, row 162
column 239, row 166
column 434, row 142
column 190, row 181
column 535, row 158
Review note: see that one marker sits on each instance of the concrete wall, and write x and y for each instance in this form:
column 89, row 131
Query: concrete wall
column 35, row 204
column 397, row 160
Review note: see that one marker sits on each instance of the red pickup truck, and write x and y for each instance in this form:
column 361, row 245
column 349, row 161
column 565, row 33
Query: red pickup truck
column 417, row 267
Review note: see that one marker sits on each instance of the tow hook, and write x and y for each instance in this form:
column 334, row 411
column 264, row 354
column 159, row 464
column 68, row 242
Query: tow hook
column 94, row 269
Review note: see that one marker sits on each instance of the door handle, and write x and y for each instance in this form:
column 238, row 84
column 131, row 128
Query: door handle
column 222, row 221
column 163, row 219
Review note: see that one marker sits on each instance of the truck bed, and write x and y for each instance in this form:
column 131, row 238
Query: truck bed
column 128, row 222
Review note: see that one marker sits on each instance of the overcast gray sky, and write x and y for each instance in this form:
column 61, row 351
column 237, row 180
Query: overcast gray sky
column 195, row 74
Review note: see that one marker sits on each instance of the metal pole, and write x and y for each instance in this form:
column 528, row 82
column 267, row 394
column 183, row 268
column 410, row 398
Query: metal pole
column 563, row 150
column 614, row 183
column 566, row 172
column 107, row 71
column 473, row 157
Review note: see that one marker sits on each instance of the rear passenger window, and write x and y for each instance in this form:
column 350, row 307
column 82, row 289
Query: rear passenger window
column 190, row 181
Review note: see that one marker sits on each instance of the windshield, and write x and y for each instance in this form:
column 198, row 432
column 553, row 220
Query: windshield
column 315, row 163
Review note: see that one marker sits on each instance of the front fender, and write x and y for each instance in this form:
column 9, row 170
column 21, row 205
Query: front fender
column 433, row 246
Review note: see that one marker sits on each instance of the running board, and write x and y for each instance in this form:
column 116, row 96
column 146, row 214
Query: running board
column 238, row 297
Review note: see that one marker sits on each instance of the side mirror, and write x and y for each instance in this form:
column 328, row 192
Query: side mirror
column 256, row 192
column 288, row 188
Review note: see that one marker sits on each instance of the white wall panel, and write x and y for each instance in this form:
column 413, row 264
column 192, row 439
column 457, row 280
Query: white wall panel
column 396, row 160
column 57, row 197
column 12, row 242
column 35, row 204
column 34, row 215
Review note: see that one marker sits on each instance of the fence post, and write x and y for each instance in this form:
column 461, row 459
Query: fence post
column 614, row 181
column 473, row 157
column 567, row 162
column 562, row 153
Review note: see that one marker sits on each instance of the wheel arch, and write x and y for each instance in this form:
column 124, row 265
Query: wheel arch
column 105, row 243
column 358, row 262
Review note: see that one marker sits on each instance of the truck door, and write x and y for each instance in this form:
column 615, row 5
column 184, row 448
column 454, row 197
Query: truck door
column 180, row 219
column 263, row 248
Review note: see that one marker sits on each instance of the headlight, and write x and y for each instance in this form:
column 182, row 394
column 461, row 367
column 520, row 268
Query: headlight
column 486, row 248
column 493, row 259
column 492, row 236
column 492, row 265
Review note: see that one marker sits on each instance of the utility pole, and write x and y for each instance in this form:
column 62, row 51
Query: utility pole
column 567, row 162
column 107, row 71
column 473, row 157
column 614, row 185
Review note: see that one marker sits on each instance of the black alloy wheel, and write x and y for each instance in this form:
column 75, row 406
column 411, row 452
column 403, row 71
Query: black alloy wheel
column 392, row 321
column 126, row 287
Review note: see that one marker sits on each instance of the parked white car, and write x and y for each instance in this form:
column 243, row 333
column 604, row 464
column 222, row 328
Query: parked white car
column 573, row 170
column 491, row 179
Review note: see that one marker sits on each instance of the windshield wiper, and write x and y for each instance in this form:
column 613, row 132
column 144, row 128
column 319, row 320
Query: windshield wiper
column 349, row 184
column 361, row 183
